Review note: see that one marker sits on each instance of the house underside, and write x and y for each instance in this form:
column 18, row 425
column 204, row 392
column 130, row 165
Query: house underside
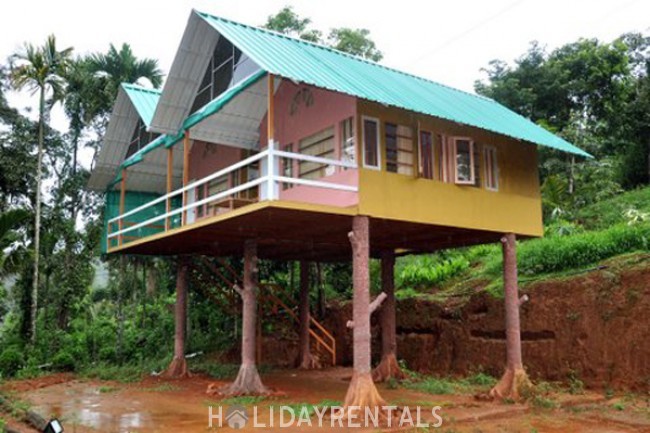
column 291, row 231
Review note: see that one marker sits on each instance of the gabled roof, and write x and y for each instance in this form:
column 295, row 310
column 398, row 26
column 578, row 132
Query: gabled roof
column 144, row 100
column 327, row 68
column 133, row 103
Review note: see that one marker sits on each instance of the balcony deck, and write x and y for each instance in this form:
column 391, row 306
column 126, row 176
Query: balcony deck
column 290, row 231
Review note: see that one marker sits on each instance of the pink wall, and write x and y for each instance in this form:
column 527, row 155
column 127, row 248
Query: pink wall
column 206, row 158
column 303, row 110
column 300, row 111
column 331, row 197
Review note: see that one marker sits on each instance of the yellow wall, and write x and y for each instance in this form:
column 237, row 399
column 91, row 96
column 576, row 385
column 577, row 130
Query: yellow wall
column 516, row 207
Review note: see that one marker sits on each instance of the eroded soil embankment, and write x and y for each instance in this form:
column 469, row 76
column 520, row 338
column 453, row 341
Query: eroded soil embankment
column 594, row 327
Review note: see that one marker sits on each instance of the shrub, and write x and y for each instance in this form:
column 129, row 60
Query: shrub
column 556, row 254
column 63, row 361
column 427, row 271
column 11, row 359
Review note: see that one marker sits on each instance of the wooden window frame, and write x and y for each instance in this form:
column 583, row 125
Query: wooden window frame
column 400, row 150
column 420, row 156
column 491, row 167
column 471, row 181
column 377, row 145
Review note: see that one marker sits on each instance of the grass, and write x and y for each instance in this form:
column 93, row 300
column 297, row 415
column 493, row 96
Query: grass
column 609, row 212
column 165, row 387
column 221, row 371
column 445, row 385
column 126, row 373
column 244, row 400
column 108, row 389
column 297, row 408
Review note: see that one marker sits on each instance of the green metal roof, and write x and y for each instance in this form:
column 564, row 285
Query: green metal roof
column 327, row 68
column 207, row 110
column 144, row 100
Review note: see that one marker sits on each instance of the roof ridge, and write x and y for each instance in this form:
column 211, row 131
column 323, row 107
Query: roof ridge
column 141, row 88
column 342, row 53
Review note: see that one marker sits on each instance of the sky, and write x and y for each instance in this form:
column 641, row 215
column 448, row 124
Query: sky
column 446, row 41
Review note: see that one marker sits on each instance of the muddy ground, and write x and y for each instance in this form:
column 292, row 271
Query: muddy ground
column 158, row 405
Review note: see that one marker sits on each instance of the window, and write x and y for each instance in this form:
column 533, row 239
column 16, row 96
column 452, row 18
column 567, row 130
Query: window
column 399, row 149
column 320, row 144
column 348, row 150
column 426, row 155
column 447, row 169
column 140, row 138
column 491, row 168
column 464, row 161
column 227, row 67
column 371, row 158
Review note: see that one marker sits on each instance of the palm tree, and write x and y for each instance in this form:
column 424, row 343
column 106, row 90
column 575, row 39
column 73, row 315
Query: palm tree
column 117, row 67
column 10, row 221
column 40, row 69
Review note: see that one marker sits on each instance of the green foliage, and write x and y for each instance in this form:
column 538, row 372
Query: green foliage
column 64, row 361
column 243, row 400
column 352, row 41
column 11, row 360
column 555, row 254
column 356, row 42
column 442, row 385
column 619, row 405
column 612, row 211
column 427, row 271
column 576, row 386
column 216, row 370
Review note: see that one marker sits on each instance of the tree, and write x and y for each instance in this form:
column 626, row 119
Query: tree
column 352, row 41
column 117, row 67
column 356, row 42
column 362, row 393
column 40, row 70
column 306, row 360
column 289, row 23
column 248, row 379
column 514, row 382
column 388, row 367
column 10, row 222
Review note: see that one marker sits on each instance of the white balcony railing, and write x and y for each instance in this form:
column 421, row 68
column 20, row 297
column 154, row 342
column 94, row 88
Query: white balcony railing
column 164, row 216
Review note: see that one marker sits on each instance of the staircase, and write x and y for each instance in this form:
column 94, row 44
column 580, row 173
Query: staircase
column 275, row 299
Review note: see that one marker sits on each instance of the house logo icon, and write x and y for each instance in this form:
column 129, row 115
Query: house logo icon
column 236, row 417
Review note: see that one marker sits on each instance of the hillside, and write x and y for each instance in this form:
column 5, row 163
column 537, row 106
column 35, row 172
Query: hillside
column 606, row 232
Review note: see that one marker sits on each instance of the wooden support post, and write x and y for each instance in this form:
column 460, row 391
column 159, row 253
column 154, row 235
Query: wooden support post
column 514, row 381
column 178, row 366
column 388, row 367
column 270, row 163
column 186, row 172
column 248, row 380
column 258, row 339
column 170, row 174
column 270, row 109
column 306, row 360
column 362, row 392
column 120, row 222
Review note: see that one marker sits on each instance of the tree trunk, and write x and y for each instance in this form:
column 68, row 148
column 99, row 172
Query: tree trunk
column 514, row 381
column 248, row 381
column 37, row 217
column 305, row 359
column 362, row 392
column 388, row 367
column 178, row 366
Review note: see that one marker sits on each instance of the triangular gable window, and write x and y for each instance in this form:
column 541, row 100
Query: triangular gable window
column 227, row 67
column 140, row 138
